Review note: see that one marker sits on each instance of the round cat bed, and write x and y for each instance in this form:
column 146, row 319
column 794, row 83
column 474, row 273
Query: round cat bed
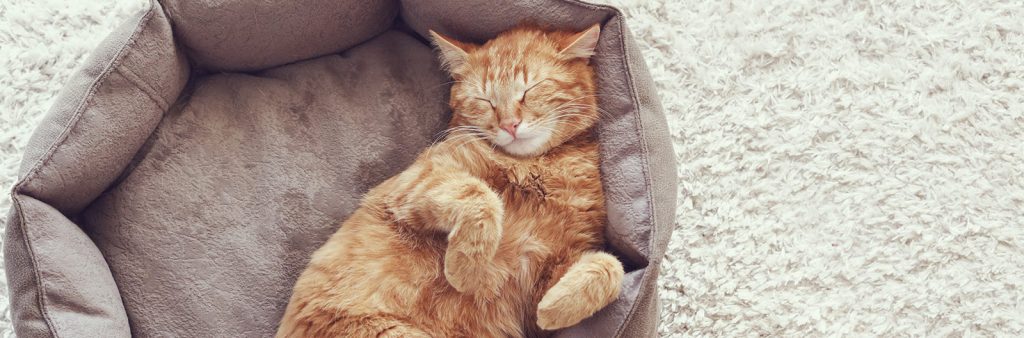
column 185, row 174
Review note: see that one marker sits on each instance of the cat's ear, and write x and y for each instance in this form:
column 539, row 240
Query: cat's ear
column 453, row 53
column 582, row 44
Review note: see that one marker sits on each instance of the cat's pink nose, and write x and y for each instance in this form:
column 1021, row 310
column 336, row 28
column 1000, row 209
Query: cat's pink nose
column 510, row 126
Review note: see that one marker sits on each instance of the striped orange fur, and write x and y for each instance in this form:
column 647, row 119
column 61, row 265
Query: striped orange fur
column 495, row 231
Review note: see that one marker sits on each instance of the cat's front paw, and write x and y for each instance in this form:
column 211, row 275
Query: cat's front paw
column 469, row 259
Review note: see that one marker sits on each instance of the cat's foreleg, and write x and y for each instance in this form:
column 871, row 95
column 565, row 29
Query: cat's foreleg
column 471, row 213
column 476, row 213
column 591, row 283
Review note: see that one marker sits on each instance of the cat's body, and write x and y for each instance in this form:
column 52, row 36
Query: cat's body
column 470, row 241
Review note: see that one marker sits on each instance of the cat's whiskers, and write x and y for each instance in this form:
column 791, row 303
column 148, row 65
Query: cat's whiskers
column 474, row 133
column 457, row 139
column 553, row 114
column 602, row 112
column 445, row 83
column 457, row 134
column 574, row 100
column 572, row 107
column 554, row 117
column 467, row 140
column 444, row 133
column 551, row 123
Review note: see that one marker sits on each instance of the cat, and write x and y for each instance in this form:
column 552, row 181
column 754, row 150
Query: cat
column 495, row 231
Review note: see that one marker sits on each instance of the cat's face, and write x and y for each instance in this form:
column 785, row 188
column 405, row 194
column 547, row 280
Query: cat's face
column 526, row 91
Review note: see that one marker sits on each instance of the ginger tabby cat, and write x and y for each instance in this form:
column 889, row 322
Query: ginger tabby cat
column 494, row 232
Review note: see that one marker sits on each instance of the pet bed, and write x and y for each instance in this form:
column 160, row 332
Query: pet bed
column 183, row 177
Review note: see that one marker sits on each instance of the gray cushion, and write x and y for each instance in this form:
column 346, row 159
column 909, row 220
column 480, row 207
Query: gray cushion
column 251, row 35
column 163, row 196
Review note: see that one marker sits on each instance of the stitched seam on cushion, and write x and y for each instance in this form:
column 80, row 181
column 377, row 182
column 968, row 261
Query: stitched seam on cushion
column 35, row 270
column 48, row 154
column 643, row 146
column 646, row 170
column 82, row 106
column 143, row 86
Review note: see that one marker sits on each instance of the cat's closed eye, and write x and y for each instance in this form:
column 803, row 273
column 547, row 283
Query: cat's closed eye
column 486, row 101
column 522, row 99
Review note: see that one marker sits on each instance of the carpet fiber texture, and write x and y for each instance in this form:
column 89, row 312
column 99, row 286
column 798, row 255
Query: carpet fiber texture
column 846, row 167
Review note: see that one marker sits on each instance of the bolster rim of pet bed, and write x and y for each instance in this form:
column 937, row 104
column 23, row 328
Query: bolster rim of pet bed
column 65, row 267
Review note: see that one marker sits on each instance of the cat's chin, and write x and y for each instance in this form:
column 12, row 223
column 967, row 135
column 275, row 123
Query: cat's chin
column 526, row 147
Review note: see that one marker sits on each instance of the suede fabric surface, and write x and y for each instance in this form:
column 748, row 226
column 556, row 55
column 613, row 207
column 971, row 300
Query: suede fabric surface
column 163, row 196
column 59, row 282
column 248, row 35
column 260, row 169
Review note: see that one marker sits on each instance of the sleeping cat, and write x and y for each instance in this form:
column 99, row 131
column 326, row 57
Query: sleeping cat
column 493, row 232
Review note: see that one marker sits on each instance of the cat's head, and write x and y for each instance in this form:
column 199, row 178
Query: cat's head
column 527, row 90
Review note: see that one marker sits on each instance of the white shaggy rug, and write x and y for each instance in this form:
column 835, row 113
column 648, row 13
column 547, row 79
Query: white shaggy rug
column 846, row 167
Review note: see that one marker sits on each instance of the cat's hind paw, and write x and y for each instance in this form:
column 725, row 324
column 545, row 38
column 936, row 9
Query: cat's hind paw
column 588, row 286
